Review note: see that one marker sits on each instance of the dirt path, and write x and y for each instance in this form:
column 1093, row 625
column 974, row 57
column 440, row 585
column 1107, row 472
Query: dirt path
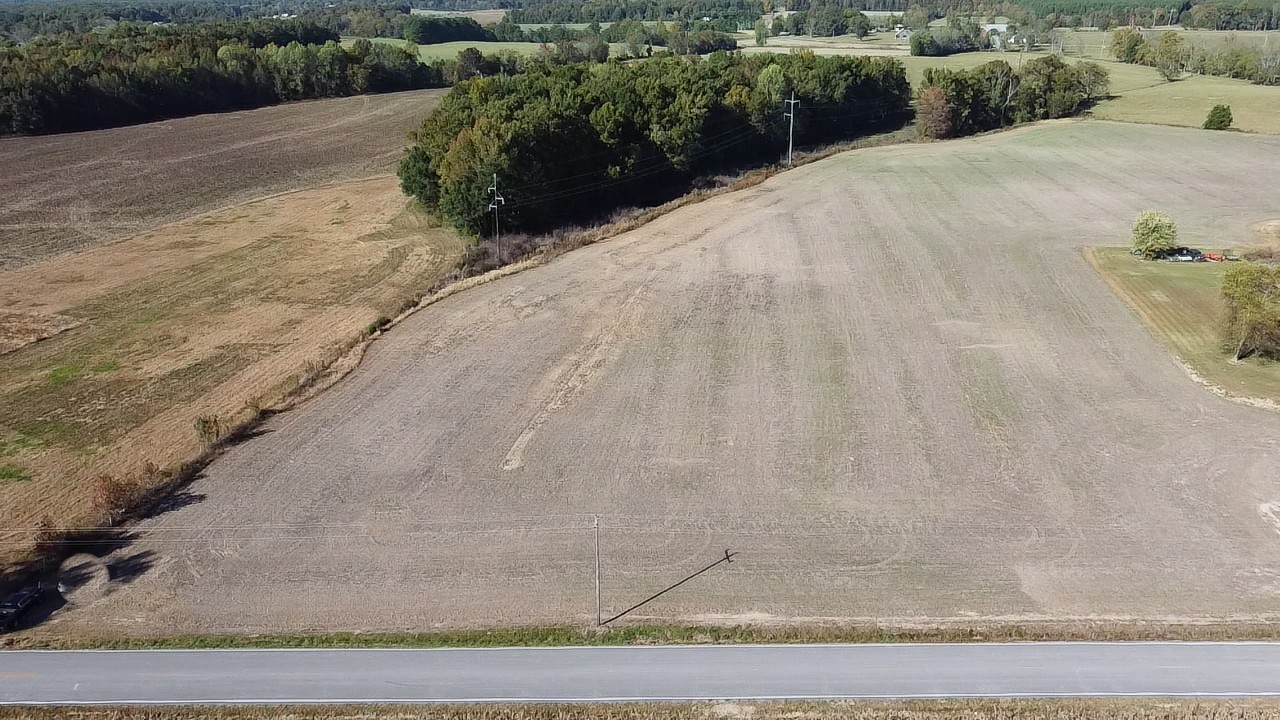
column 888, row 379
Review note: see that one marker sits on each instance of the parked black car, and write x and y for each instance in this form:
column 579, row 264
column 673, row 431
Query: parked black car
column 17, row 605
column 1183, row 254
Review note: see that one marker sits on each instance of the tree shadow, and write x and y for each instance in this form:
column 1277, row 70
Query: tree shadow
column 127, row 569
column 244, row 436
column 105, row 545
column 176, row 501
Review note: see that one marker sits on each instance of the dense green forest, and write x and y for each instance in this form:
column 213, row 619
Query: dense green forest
column 958, row 36
column 23, row 20
column 135, row 73
column 572, row 143
column 739, row 13
column 822, row 20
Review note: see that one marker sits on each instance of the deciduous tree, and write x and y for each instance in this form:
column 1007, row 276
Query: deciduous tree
column 1154, row 233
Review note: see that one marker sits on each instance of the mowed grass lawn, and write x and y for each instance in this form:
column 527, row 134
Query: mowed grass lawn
column 1182, row 306
column 1254, row 108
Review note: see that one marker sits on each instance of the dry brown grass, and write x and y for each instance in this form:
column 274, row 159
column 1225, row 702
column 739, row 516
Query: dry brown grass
column 1147, row 709
column 185, row 333
column 624, row 635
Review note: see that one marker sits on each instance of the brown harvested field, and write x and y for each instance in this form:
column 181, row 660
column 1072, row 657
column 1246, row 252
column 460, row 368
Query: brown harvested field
column 73, row 191
column 888, row 379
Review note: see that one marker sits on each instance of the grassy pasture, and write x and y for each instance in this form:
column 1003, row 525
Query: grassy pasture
column 484, row 17
column 450, row 50
column 1181, row 305
column 1254, row 108
column 1142, row 96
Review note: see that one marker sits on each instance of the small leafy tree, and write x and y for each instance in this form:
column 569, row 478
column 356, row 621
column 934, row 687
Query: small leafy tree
column 1251, row 293
column 1153, row 234
column 1167, row 55
column 935, row 117
column 1129, row 46
column 1219, row 118
column 762, row 33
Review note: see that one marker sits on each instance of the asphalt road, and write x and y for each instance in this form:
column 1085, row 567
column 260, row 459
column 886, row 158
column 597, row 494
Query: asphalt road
column 641, row 673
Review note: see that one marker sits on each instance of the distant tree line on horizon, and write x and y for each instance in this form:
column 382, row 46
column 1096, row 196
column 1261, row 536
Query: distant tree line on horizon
column 697, row 39
column 573, row 143
column 133, row 73
column 737, row 13
column 1172, row 55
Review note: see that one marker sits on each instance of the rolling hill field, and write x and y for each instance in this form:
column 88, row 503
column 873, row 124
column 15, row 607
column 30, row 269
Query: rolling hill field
column 889, row 380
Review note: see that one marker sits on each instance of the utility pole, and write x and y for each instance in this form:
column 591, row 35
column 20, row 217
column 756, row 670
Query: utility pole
column 791, row 104
column 494, row 205
column 595, row 525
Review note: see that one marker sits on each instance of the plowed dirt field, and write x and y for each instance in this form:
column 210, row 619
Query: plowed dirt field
column 73, row 191
column 889, row 380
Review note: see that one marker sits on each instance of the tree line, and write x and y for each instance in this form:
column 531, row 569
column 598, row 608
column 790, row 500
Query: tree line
column 571, row 143
column 741, row 13
column 1172, row 55
column 134, row 73
column 824, row 19
column 27, row 19
column 954, row 103
column 960, row 35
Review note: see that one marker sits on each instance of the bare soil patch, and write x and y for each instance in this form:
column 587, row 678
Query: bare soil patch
column 888, row 379
column 79, row 190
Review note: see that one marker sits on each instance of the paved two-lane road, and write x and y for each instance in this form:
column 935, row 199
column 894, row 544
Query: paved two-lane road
column 641, row 673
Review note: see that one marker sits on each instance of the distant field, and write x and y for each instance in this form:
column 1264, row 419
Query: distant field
column 580, row 26
column 1097, row 44
column 78, row 190
column 1142, row 96
column 484, row 17
column 1182, row 306
column 1254, row 108
column 449, row 50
